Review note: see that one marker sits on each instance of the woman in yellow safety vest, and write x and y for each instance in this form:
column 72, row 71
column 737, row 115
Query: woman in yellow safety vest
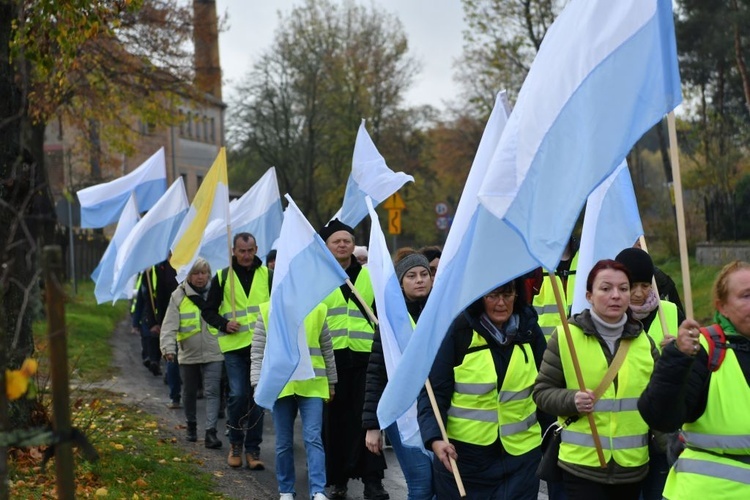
column 597, row 335
column 185, row 335
column 482, row 379
column 702, row 384
column 644, row 304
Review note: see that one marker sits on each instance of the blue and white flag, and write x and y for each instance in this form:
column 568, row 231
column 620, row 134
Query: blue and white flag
column 257, row 212
column 102, row 204
column 395, row 323
column 105, row 271
column 611, row 224
column 148, row 242
column 370, row 177
column 305, row 274
column 605, row 73
column 480, row 253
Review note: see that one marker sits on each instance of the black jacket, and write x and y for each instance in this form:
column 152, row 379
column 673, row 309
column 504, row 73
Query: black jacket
column 216, row 291
column 166, row 283
column 451, row 354
column 678, row 389
column 377, row 376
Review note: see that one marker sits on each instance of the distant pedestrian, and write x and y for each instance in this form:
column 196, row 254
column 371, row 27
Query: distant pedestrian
column 200, row 358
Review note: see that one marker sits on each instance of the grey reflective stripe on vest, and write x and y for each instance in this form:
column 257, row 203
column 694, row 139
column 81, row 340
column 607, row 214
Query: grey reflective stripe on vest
column 474, row 389
column 341, row 332
column 615, row 405
column 244, row 328
column 315, row 351
column 546, row 309
column 548, row 330
column 238, row 314
column 360, row 335
column 335, row 311
column 188, row 328
column 516, row 427
column 618, row 443
column 473, row 414
column 357, row 314
column 253, row 309
column 716, row 441
column 506, row 396
column 186, row 316
column 713, row 469
column 320, row 372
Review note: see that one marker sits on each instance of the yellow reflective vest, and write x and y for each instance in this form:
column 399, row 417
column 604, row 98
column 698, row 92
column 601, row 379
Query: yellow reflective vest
column 349, row 327
column 479, row 413
column 190, row 319
column 246, row 308
column 545, row 304
column 622, row 431
column 317, row 387
column 670, row 316
column 701, row 471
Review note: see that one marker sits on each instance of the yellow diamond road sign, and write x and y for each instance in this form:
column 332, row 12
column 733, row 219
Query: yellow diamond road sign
column 394, row 202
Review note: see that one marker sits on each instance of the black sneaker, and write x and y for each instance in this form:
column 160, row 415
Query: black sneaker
column 375, row 491
column 338, row 491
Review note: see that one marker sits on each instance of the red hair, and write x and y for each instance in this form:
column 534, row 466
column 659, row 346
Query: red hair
column 601, row 266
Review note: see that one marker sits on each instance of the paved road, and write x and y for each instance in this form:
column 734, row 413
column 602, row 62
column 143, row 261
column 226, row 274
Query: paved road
column 147, row 392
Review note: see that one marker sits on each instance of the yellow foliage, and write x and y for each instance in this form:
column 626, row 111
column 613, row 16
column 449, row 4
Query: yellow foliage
column 29, row 367
column 16, row 384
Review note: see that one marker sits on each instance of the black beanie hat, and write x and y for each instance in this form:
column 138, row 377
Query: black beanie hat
column 332, row 227
column 639, row 264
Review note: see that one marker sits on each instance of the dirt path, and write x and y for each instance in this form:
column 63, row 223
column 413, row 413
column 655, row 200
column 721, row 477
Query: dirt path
column 143, row 390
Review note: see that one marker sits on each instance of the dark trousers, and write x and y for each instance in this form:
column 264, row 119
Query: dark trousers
column 343, row 437
column 582, row 489
column 490, row 474
column 150, row 348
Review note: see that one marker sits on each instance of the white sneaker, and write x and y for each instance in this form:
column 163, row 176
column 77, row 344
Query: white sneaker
column 319, row 496
column 287, row 496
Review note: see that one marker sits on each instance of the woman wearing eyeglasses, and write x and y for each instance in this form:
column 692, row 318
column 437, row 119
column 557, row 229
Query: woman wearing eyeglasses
column 482, row 378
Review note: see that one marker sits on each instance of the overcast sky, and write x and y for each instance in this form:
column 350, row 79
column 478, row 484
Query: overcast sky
column 434, row 29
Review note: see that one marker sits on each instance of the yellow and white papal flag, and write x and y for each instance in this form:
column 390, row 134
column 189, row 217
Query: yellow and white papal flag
column 211, row 203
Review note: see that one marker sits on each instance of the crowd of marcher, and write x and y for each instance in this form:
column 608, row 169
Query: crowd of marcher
column 626, row 399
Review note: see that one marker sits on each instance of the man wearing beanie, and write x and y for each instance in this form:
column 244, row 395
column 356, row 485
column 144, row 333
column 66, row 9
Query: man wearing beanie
column 352, row 335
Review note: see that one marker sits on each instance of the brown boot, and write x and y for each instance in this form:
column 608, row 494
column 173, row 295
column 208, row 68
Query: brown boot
column 254, row 462
column 235, row 455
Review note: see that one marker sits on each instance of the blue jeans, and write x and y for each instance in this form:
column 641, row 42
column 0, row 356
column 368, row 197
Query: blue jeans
column 173, row 380
column 239, row 415
column 284, row 414
column 416, row 466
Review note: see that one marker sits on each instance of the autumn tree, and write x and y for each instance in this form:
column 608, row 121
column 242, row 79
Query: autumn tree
column 300, row 106
column 102, row 66
column 501, row 40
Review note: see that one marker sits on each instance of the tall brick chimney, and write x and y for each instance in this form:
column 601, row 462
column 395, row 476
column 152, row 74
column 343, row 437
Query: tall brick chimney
column 206, row 41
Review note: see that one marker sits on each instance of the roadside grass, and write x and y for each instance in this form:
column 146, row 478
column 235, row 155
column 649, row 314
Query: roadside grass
column 701, row 281
column 137, row 458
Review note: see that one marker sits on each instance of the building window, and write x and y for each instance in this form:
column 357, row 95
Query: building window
column 184, row 180
column 182, row 123
column 213, row 130
column 199, row 181
column 205, row 128
column 190, row 124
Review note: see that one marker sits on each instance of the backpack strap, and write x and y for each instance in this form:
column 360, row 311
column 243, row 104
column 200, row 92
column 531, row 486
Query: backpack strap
column 717, row 346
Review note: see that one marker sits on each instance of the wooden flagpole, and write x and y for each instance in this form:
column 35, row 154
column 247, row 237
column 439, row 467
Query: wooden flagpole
column 230, row 273
column 430, row 393
column 674, row 156
column 576, row 365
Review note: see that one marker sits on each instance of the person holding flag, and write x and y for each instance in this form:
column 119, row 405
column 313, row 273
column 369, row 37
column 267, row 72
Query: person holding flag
column 231, row 310
column 305, row 396
column 617, row 359
column 413, row 273
column 352, row 333
column 482, row 378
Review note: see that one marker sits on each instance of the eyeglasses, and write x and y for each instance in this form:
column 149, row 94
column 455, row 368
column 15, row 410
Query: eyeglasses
column 496, row 296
